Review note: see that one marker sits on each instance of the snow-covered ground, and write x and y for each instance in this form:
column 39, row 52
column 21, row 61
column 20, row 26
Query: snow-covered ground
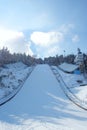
column 12, row 77
column 77, row 84
column 42, row 105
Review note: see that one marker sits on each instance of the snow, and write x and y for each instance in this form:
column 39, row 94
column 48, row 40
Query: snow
column 1, row 93
column 12, row 77
column 77, row 91
column 71, row 79
column 68, row 67
column 81, row 93
column 42, row 105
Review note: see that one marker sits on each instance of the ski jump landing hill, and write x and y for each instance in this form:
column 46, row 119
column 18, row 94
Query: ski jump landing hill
column 42, row 105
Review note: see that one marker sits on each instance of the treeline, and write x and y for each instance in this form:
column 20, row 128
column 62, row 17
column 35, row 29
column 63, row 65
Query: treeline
column 6, row 57
column 56, row 60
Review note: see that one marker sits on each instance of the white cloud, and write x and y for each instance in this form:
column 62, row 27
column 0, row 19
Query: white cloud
column 48, row 51
column 14, row 41
column 28, row 50
column 47, row 43
column 6, row 35
column 66, row 28
column 52, row 51
column 46, row 38
column 68, row 32
column 75, row 38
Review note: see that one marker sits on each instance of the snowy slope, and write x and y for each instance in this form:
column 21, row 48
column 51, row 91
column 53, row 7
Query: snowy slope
column 12, row 77
column 79, row 89
column 42, row 105
column 76, row 91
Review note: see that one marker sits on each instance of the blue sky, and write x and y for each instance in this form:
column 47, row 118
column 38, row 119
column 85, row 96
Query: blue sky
column 43, row 27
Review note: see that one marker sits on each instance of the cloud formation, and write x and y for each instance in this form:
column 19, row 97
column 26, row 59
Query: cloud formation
column 42, row 43
column 14, row 41
column 52, row 51
column 75, row 38
column 66, row 28
column 51, row 43
column 6, row 35
column 46, row 39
